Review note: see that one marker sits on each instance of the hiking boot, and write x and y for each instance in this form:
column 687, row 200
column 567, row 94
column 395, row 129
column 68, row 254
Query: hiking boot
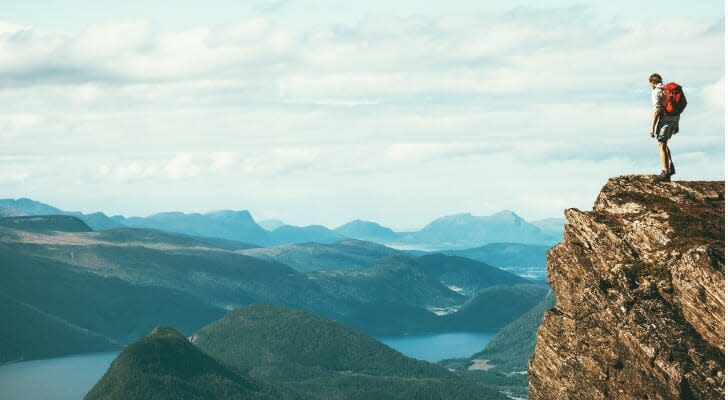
column 672, row 169
column 664, row 176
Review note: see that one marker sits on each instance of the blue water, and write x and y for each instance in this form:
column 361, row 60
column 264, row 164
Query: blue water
column 70, row 378
column 439, row 347
column 64, row 378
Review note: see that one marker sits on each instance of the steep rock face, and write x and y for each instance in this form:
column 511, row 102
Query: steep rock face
column 639, row 285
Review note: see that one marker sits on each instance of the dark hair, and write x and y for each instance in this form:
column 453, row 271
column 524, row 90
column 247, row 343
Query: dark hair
column 655, row 78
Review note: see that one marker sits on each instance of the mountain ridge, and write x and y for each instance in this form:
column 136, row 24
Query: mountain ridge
column 442, row 233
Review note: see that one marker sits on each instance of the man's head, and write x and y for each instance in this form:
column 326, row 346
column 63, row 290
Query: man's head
column 655, row 79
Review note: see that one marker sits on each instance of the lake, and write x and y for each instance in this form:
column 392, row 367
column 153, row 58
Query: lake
column 438, row 347
column 63, row 378
column 70, row 378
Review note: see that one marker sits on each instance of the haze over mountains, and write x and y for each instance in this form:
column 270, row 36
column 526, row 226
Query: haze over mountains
column 79, row 283
column 458, row 231
column 103, row 289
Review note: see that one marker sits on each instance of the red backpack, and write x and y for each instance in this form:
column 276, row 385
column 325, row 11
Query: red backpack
column 674, row 98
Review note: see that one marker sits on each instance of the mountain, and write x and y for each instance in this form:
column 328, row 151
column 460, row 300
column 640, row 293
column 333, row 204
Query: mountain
column 218, row 277
column 24, row 207
column 86, row 310
column 387, row 318
column 553, row 226
column 271, row 224
column 44, row 224
column 501, row 304
column 312, row 233
column 166, row 239
column 370, row 231
column 394, row 279
column 458, row 231
column 232, row 225
column 306, row 257
column 97, row 220
column 29, row 207
column 325, row 359
column 117, row 284
column 504, row 255
column 260, row 336
column 464, row 275
column 465, row 230
column 509, row 350
column 488, row 311
column 164, row 365
column 525, row 260
column 640, row 296
column 402, row 295
column 30, row 333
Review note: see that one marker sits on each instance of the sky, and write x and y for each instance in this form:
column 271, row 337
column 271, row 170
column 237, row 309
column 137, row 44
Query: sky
column 320, row 112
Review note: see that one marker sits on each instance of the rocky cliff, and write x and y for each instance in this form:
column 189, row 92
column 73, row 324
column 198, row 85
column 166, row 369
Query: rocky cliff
column 639, row 285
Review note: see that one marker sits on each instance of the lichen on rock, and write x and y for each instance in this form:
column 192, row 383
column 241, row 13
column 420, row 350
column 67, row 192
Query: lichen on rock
column 639, row 284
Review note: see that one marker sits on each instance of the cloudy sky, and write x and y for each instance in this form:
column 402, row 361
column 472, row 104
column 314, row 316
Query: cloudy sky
column 318, row 111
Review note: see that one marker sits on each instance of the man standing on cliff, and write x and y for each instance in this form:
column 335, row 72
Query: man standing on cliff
column 663, row 126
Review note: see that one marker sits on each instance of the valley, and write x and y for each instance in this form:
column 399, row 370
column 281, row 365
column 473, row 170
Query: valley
column 71, row 289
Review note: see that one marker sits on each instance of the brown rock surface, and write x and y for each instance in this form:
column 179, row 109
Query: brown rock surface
column 639, row 285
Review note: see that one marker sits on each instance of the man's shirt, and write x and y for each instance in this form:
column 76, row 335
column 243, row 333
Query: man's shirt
column 657, row 98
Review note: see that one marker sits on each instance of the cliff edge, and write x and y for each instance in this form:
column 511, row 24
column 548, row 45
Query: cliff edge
column 639, row 284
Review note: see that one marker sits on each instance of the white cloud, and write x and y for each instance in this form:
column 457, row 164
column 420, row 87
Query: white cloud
column 223, row 159
column 714, row 94
column 416, row 153
column 182, row 166
column 280, row 161
column 13, row 175
column 455, row 113
column 162, row 167
column 110, row 40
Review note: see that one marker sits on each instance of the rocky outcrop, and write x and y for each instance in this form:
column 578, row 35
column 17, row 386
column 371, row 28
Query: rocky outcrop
column 639, row 285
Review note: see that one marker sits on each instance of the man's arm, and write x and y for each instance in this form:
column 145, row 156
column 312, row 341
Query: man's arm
column 657, row 104
column 655, row 117
column 677, row 126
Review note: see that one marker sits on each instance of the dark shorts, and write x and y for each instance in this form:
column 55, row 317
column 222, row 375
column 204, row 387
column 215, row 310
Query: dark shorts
column 665, row 127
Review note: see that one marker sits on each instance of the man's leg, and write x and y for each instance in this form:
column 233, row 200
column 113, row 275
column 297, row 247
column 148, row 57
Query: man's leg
column 664, row 155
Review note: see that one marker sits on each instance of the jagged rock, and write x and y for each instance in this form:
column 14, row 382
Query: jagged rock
column 639, row 284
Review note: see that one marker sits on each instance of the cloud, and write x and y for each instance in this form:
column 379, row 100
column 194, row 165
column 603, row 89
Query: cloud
column 714, row 94
column 416, row 153
column 162, row 167
column 13, row 175
column 453, row 113
column 222, row 160
column 280, row 161
column 380, row 57
column 270, row 5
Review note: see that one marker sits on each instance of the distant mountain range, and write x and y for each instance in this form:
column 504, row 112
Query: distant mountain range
column 467, row 230
column 458, row 231
column 264, row 352
column 371, row 231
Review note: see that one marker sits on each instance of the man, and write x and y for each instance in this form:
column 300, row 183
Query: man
column 663, row 127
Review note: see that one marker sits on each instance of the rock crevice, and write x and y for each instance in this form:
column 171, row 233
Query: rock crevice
column 639, row 284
